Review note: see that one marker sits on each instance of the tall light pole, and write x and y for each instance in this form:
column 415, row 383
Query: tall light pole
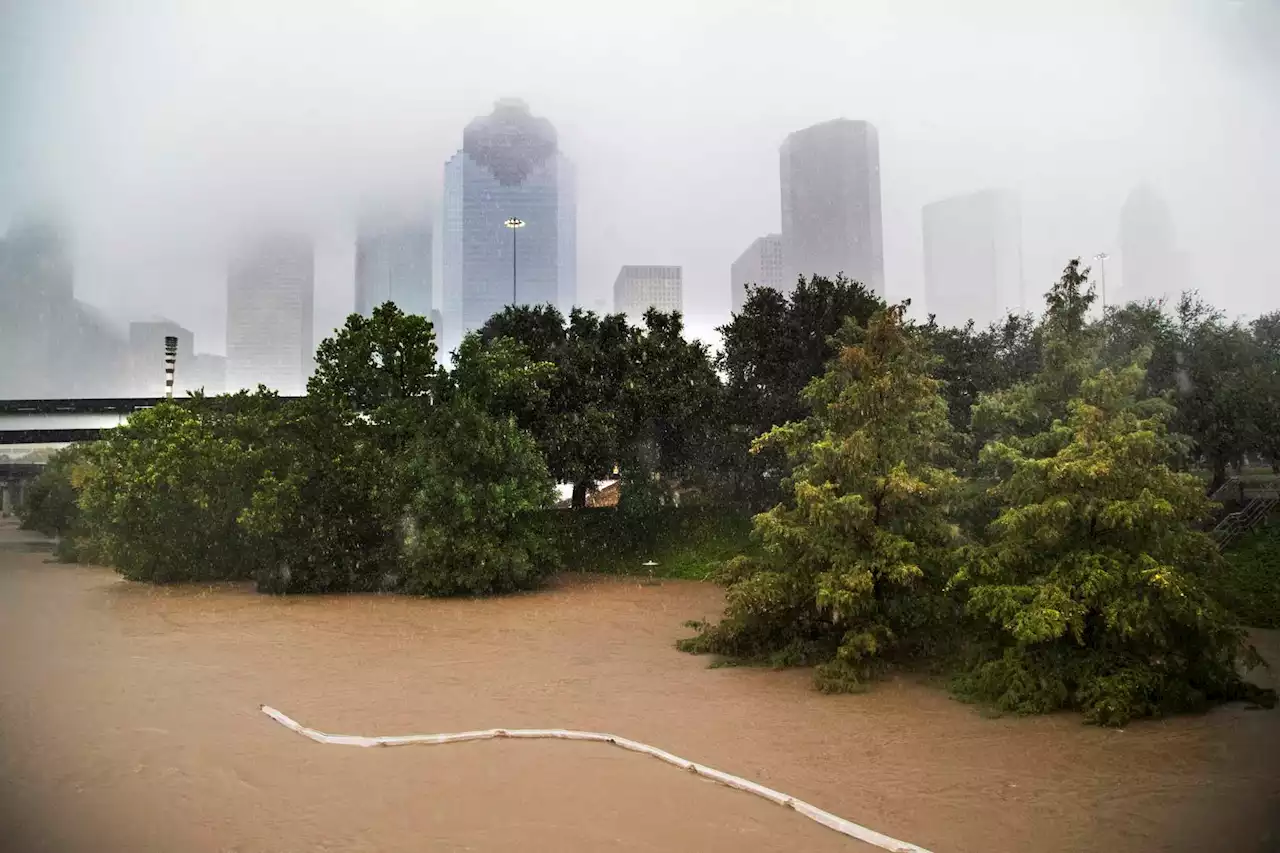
column 515, row 225
column 1101, row 258
column 170, row 358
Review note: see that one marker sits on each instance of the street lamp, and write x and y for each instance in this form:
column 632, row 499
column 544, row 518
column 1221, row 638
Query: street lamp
column 1101, row 258
column 514, row 224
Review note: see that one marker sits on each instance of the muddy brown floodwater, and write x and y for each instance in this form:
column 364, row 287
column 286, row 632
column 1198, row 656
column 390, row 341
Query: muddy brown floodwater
column 129, row 722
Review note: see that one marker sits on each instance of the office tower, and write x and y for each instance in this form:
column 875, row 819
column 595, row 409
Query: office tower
column 146, row 357
column 270, row 298
column 637, row 289
column 831, row 203
column 393, row 264
column 1151, row 267
column 51, row 344
column 762, row 265
column 509, row 168
column 973, row 257
column 206, row 372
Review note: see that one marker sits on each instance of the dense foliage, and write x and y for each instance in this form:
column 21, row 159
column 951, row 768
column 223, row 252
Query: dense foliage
column 387, row 476
column 855, row 562
column 1025, row 503
column 1252, row 583
column 1076, row 550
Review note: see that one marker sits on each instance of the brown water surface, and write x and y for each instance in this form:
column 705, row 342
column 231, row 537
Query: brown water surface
column 129, row 722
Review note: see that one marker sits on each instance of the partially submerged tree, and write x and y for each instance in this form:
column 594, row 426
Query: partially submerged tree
column 856, row 559
column 1097, row 580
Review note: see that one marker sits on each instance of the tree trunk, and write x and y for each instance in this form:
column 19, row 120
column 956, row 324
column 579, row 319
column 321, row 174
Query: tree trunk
column 1219, row 475
column 579, row 499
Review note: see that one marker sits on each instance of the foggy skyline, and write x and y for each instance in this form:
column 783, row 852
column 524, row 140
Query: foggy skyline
column 164, row 131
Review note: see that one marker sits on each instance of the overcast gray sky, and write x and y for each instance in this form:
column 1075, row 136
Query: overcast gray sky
column 162, row 127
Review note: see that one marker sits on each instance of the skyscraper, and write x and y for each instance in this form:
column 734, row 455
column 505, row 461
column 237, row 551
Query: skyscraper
column 973, row 257
column 830, row 175
column 637, row 289
column 510, row 167
column 1151, row 267
column 51, row 344
column 270, row 302
column 761, row 264
column 393, row 263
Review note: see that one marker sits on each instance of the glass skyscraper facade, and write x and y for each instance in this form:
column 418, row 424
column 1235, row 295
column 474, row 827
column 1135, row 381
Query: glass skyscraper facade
column 510, row 167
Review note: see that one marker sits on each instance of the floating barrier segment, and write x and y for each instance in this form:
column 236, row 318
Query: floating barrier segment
column 827, row 819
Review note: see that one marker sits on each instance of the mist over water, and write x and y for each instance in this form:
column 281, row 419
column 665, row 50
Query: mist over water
column 162, row 133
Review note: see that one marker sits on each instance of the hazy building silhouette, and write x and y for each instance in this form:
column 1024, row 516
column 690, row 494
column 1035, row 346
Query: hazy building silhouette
column 1151, row 267
column 192, row 372
column 393, row 263
column 637, row 289
column 761, row 264
column 146, row 356
column 270, row 306
column 973, row 257
column 509, row 167
column 51, row 344
column 830, row 177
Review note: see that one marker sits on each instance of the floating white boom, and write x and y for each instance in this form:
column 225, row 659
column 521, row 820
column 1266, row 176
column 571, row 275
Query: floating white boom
column 839, row 824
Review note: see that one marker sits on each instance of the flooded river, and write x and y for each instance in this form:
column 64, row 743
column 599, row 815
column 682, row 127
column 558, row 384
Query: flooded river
column 129, row 721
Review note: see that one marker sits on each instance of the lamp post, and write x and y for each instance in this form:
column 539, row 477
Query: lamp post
column 1101, row 258
column 514, row 224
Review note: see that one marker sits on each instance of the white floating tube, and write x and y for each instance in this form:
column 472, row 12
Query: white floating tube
column 839, row 824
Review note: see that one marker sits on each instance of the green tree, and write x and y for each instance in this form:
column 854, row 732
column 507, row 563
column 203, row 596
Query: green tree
column 671, row 402
column 374, row 360
column 161, row 495
column 1069, row 346
column 1266, row 338
column 856, row 560
column 770, row 353
column 973, row 361
column 582, row 430
column 1220, row 380
column 472, row 524
column 50, row 506
column 1096, row 582
column 322, row 517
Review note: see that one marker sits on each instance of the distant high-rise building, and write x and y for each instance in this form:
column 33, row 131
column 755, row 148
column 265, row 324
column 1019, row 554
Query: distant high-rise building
column 51, row 344
column 762, row 265
column 146, row 356
column 830, row 177
column 206, row 372
column 393, row 263
column 1151, row 267
column 637, row 289
column 510, row 167
column 973, row 257
column 270, row 305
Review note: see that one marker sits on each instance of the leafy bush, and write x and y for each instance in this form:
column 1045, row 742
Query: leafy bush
column 472, row 525
column 162, row 495
column 323, row 519
column 50, row 506
column 854, row 565
column 1251, row 584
